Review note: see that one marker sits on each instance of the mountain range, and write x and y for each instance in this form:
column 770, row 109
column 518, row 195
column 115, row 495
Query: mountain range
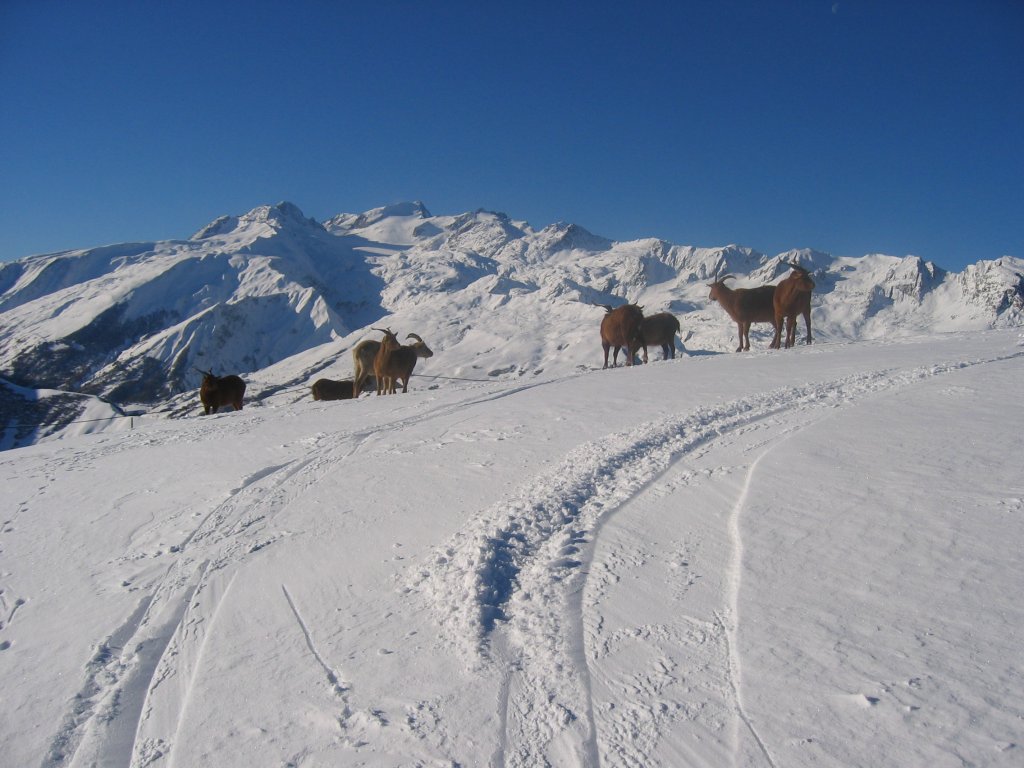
column 281, row 299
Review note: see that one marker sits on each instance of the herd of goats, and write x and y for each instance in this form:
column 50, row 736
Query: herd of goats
column 383, row 364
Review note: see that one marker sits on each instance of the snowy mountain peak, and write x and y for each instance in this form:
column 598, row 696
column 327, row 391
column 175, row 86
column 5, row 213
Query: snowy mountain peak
column 808, row 258
column 351, row 221
column 997, row 283
column 278, row 217
column 223, row 225
column 414, row 208
column 563, row 236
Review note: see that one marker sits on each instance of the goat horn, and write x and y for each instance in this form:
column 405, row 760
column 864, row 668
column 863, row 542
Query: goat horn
column 726, row 277
column 414, row 336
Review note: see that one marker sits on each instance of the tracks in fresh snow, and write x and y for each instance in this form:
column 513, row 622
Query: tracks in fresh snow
column 137, row 685
column 524, row 585
column 734, row 581
column 333, row 678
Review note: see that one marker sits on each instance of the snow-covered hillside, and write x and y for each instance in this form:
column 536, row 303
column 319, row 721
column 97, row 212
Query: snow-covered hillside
column 771, row 559
column 281, row 299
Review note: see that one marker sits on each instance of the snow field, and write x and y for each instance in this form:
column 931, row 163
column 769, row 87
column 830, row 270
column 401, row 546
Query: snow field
column 793, row 559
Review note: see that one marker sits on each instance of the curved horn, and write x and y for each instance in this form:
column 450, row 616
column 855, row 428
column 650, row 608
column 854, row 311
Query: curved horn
column 721, row 279
column 414, row 336
column 386, row 331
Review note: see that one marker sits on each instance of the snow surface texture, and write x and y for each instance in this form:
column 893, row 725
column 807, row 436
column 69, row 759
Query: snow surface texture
column 776, row 559
column 281, row 299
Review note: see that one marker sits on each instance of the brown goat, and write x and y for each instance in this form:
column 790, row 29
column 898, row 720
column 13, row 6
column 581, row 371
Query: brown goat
column 621, row 327
column 660, row 329
column 380, row 361
column 395, row 362
column 217, row 391
column 792, row 298
column 745, row 306
column 329, row 389
column 363, row 355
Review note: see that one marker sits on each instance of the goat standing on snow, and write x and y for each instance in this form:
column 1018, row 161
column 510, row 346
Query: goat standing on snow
column 660, row 329
column 745, row 306
column 217, row 391
column 792, row 298
column 396, row 361
column 621, row 327
column 363, row 355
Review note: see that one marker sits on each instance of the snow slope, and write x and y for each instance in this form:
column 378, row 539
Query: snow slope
column 773, row 559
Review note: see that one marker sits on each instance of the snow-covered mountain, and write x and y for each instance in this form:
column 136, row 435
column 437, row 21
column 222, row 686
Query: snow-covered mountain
column 280, row 298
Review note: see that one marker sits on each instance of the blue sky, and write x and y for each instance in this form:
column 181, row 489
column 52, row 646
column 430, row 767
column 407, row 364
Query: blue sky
column 891, row 126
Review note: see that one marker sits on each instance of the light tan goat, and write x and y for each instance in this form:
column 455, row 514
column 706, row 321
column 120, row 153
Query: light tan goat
column 363, row 355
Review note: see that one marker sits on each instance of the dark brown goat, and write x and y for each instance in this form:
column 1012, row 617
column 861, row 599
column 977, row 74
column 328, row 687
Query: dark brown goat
column 395, row 362
column 745, row 306
column 217, row 391
column 792, row 298
column 660, row 329
column 622, row 327
column 329, row 389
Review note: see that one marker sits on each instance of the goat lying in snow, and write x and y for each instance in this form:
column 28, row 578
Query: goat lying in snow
column 745, row 306
column 329, row 389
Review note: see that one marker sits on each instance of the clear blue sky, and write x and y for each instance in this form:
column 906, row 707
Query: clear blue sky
column 892, row 126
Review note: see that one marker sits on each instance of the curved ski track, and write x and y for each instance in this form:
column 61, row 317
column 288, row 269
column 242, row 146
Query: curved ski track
column 532, row 609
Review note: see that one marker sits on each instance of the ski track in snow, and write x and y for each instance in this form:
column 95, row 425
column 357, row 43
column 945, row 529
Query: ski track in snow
column 518, row 588
column 122, row 709
column 734, row 579
column 532, row 606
